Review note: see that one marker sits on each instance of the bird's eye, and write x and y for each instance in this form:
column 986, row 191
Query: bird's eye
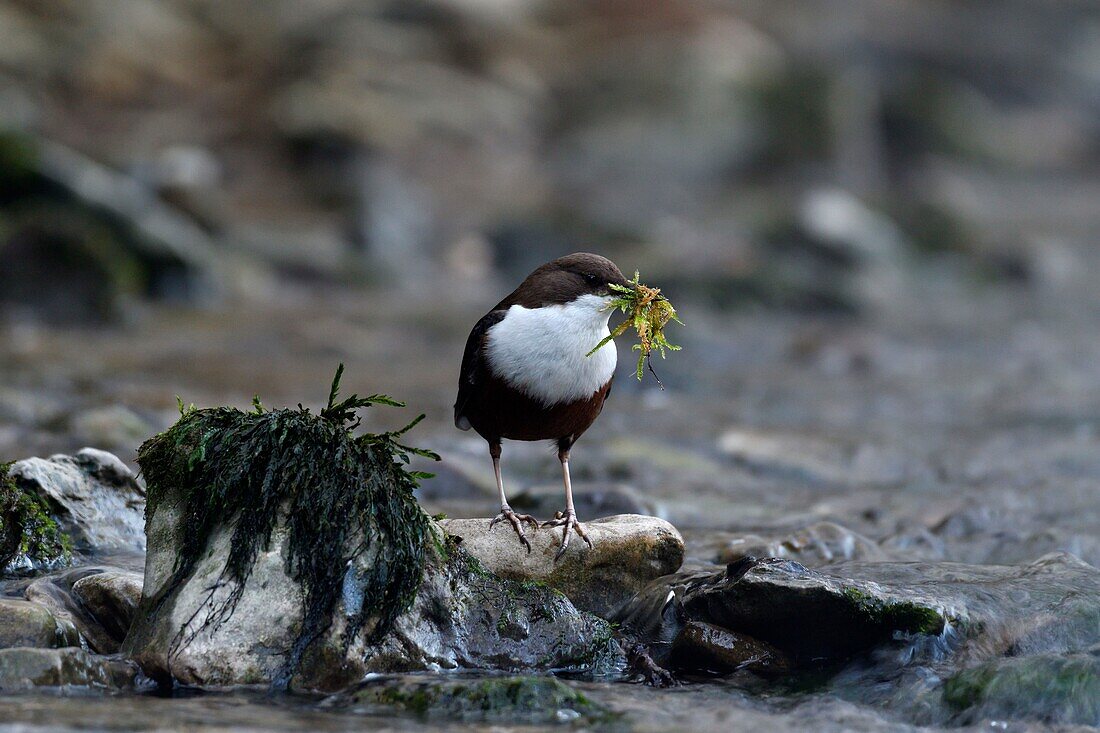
column 591, row 279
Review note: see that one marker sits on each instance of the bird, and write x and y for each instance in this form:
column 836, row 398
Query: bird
column 527, row 374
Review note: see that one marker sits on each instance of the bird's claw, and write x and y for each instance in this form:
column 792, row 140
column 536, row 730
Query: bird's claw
column 639, row 662
column 568, row 520
column 516, row 520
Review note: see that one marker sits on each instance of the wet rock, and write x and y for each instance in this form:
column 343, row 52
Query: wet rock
column 512, row 700
column 27, row 624
column 771, row 600
column 703, row 647
column 818, row 544
column 103, row 623
column 462, row 616
column 95, row 498
column 628, row 551
column 247, row 581
column 1049, row 688
column 30, row 539
column 23, row 669
column 950, row 615
column 110, row 597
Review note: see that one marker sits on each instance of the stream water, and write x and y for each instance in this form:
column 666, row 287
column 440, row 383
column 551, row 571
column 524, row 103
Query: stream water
column 944, row 445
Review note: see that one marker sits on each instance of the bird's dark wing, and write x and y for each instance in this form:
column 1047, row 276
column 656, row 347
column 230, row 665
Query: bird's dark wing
column 474, row 369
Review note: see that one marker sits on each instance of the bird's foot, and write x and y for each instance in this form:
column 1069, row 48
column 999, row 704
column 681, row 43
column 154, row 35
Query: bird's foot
column 569, row 521
column 639, row 662
column 516, row 520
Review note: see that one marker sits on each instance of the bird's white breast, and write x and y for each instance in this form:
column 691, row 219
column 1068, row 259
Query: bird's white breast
column 541, row 351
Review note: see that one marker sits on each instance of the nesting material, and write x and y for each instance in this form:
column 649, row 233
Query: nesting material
column 647, row 312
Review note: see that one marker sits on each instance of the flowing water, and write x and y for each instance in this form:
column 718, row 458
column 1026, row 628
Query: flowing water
column 947, row 444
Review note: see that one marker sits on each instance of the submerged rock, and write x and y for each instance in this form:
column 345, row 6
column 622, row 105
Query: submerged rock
column 1053, row 689
column 891, row 620
column 27, row 624
column 23, row 669
column 772, row 601
column 512, row 700
column 628, row 551
column 95, row 498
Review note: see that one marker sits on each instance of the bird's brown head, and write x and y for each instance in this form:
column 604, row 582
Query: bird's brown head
column 567, row 278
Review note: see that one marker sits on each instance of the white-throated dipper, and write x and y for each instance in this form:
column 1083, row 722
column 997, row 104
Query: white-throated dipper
column 526, row 373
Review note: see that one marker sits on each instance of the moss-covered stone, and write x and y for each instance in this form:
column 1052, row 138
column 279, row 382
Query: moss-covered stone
column 340, row 496
column 29, row 536
column 511, row 699
column 1055, row 689
column 905, row 616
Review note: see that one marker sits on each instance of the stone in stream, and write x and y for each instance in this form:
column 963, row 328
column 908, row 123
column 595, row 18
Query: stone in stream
column 1051, row 688
column 24, row 669
column 806, row 615
column 27, row 624
column 703, row 647
column 462, row 617
column 98, row 601
column 94, row 497
column 30, row 539
column 110, row 598
column 348, row 519
column 969, row 615
column 510, row 700
column 628, row 551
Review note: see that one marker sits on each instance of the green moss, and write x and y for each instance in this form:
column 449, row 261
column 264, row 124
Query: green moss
column 647, row 312
column 27, row 530
column 340, row 496
column 902, row 615
column 1057, row 689
column 505, row 699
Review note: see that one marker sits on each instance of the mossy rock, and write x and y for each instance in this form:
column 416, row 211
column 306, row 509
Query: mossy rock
column 29, row 537
column 530, row 700
column 772, row 599
column 1053, row 689
column 810, row 617
column 336, row 499
column 282, row 548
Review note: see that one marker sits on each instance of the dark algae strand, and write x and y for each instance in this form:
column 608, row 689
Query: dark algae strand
column 341, row 496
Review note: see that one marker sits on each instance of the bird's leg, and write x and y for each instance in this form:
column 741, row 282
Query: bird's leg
column 516, row 520
column 568, row 519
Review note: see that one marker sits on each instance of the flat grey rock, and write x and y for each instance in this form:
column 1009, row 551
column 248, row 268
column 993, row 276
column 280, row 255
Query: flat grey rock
column 628, row 551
